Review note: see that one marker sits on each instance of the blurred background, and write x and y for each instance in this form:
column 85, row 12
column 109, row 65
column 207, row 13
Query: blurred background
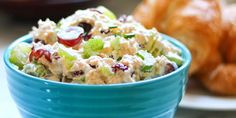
column 18, row 16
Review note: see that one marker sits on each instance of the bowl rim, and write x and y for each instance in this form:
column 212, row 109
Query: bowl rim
column 185, row 53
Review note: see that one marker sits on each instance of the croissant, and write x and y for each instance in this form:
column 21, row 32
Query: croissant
column 151, row 13
column 222, row 80
column 228, row 46
column 196, row 23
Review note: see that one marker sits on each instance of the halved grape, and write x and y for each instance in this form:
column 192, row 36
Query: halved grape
column 92, row 46
column 19, row 54
column 68, row 57
column 106, row 12
column 36, row 54
column 70, row 36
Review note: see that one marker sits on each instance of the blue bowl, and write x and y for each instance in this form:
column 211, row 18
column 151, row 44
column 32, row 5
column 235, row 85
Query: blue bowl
column 157, row 97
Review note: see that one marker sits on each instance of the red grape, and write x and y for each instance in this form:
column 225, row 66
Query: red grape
column 70, row 36
column 39, row 53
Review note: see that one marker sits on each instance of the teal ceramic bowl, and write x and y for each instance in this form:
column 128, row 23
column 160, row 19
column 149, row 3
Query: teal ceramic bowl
column 39, row 98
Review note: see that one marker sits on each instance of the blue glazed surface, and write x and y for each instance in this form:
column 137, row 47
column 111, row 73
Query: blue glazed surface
column 39, row 98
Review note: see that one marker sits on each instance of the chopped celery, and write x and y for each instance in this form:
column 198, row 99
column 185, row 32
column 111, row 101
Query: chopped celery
column 157, row 52
column 175, row 58
column 151, row 46
column 146, row 68
column 92, row 46
column 147, row 57
column 148, row 60
column 69, row 57
column 80, row 80
column 107, row 12
column 19, row 54
column 128, row 36
column 115, row 44
column 35, row 69
column 112, row 27
column 105, row 71
column 141, row 56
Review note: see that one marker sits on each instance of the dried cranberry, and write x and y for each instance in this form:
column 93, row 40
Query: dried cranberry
column 76, row 73
column 39, row 53
column 170, row 68
column 111, row 56
column 119, row 66
column 141, row 46
column 36, row 40
column 92, row 66
column 132, row 74
column 105, row 31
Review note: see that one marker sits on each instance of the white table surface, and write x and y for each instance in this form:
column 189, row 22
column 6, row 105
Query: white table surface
column 11, row 29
